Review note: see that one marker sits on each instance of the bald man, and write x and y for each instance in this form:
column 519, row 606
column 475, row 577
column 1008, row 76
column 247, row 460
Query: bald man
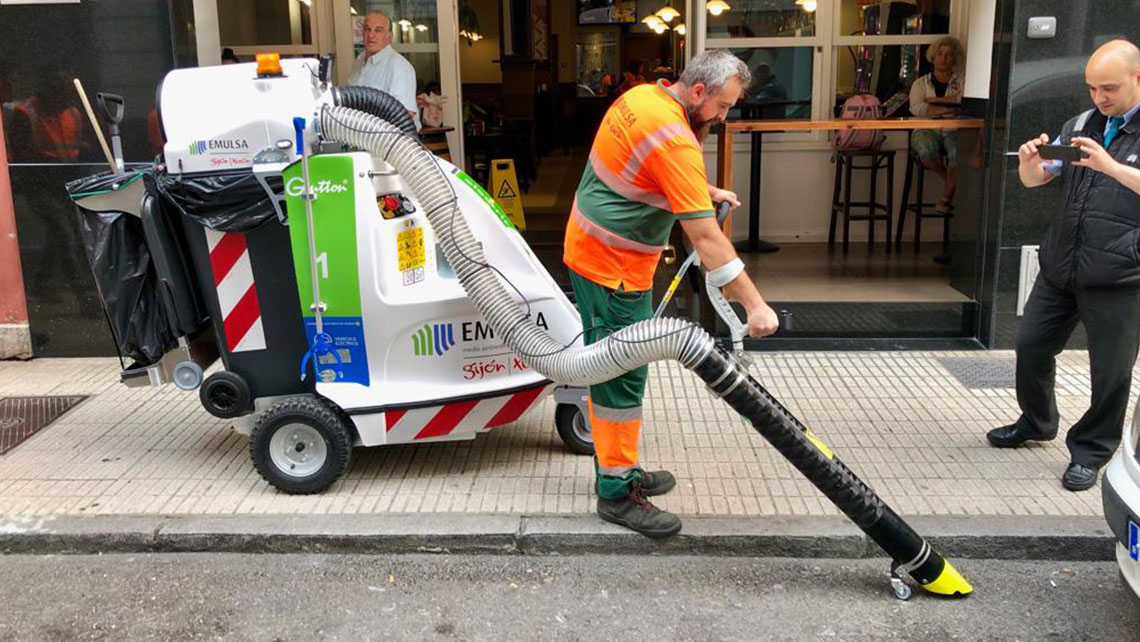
column 381, row 67
column 1090, row 268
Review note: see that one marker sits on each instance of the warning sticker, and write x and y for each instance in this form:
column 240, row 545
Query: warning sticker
column 505, row 191
column 412, row 277
column 410, row 249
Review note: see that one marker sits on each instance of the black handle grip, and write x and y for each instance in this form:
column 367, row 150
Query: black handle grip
column 113, row 105
column 324, row 68
column 722, row 209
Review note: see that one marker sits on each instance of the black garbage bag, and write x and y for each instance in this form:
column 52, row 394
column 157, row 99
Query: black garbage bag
column 123, row 268
column 223, row 201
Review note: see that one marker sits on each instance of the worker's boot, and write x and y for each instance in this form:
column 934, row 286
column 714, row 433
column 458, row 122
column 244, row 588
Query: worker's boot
column 635, row 512
column 657, row 482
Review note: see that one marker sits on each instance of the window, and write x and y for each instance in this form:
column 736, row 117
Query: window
column 244, row 23
column 781, row 82
column 597, row 62
column 882, row 70
column 762, row 19
column 894, row 18
column 820, row 52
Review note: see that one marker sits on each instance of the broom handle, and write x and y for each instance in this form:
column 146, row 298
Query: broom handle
column 95, row 126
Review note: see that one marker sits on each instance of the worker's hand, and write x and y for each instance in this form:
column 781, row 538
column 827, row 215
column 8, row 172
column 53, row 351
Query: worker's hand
column 717, row 194
column 1027, row 153
column 762, row 321
column 1098, row 158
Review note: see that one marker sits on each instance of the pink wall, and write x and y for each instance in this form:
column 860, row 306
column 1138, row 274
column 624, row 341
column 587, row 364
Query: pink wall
column 13, row 308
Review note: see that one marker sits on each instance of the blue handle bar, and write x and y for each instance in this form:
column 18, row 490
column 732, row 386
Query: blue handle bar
column 299, row 128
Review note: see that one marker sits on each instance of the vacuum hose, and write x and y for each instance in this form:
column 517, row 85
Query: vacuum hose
column 378, row 103
column 635, row 346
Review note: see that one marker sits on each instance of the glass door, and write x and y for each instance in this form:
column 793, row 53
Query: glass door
column 424, row 32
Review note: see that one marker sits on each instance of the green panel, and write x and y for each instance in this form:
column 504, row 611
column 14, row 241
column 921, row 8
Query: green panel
column 334, row 224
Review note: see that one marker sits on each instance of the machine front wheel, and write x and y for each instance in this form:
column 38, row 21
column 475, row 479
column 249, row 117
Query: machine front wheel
column 574, row 429
column 300, row 446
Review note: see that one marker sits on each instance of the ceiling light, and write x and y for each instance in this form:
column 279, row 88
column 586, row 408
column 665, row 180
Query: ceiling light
column 680, row 28
column 667, row 13
column 405, row 24
column 660, row 28
column 717, row 7
column 808, row 5
column 421, row 27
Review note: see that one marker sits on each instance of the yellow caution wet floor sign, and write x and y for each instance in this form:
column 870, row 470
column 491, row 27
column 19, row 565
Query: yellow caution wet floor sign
column 505, row 190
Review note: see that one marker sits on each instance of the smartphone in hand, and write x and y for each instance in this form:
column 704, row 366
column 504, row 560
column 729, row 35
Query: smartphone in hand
column 1066, row 153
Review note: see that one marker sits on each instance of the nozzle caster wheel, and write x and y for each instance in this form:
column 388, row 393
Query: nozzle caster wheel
column 300, row 445
column 574, row 429
column 901, row 589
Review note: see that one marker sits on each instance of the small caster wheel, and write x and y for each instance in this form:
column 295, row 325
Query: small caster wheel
column 187, row 375
column 574, row 429
column 902, row 589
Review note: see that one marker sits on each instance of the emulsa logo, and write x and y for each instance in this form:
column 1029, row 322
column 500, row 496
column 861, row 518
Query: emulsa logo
column 219, row 146
column 476, row 331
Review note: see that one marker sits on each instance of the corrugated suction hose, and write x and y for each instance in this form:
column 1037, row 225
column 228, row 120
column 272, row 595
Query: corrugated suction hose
column 635, row 346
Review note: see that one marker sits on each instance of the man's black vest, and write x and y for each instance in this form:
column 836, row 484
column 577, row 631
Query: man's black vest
column 1094, row 237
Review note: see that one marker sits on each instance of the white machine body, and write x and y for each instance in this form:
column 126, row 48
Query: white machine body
column 427, row 345
column 435, row 369
column 221, row 118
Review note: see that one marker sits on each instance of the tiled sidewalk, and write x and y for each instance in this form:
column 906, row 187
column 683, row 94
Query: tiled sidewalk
column 900, row 420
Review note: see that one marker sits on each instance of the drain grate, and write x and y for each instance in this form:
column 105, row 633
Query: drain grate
column 982, row 372
column 22, row 417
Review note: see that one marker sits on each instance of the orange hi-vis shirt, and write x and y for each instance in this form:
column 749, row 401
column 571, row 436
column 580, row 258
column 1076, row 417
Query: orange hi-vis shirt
column 646, row 170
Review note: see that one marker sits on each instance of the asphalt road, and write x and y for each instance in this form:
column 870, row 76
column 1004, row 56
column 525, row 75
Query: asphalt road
column 277, row 598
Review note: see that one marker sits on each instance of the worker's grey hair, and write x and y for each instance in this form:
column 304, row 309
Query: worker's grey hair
column 713, row 68
column 953, row 43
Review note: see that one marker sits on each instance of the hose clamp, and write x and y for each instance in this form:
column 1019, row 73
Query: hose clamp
column 739, row 379
column 913, row 565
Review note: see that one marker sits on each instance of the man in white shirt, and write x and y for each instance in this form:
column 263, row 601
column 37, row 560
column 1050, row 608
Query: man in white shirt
column 381, row 67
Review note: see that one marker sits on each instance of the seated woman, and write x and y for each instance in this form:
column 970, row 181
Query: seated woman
column 938, row 94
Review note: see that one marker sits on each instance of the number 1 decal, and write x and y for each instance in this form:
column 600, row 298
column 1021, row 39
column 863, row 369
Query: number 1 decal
column 323, row 261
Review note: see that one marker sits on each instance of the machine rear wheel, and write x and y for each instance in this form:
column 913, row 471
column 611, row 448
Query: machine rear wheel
column 300, row 445
column 225, row 394
column 574, row 429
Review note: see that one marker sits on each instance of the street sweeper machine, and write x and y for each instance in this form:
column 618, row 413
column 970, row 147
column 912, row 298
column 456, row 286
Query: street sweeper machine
column 360, row 291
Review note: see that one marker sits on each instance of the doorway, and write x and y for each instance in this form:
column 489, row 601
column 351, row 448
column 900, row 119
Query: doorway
column 537, row 76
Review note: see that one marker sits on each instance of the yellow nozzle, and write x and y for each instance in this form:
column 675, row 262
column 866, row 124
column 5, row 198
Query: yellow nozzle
column 949, row 582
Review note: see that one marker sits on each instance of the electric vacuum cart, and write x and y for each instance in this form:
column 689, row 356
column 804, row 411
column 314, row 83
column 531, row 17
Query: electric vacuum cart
column 362, row 292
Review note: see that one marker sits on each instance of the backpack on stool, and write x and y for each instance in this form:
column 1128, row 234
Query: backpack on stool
column 859, row 107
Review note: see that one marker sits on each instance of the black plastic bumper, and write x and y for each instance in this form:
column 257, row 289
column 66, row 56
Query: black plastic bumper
column 1116, row 512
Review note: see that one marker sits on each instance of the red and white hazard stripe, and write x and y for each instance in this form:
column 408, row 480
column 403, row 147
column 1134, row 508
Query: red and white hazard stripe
column 237, row 294
column 460, row 417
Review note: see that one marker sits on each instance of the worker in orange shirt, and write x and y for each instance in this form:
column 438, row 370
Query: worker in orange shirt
column 646, row 170
column 50, row 122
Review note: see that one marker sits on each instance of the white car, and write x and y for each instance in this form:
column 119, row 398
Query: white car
column 1121, row 492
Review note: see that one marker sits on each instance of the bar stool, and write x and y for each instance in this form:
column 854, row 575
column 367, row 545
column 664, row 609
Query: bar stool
column 914, row 166
column 841, row 203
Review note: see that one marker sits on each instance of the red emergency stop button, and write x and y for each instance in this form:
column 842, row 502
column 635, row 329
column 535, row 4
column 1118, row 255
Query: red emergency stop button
column 391, row 204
